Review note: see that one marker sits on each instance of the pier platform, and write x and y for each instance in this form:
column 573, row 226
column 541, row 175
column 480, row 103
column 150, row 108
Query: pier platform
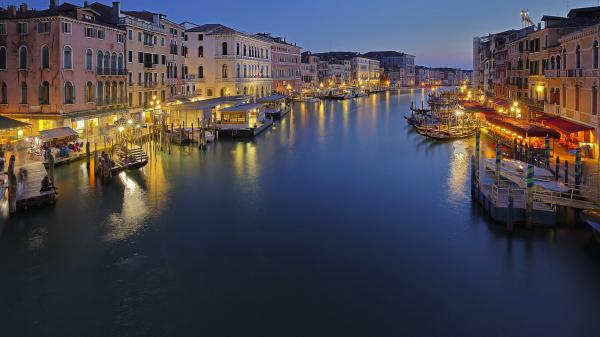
column 245, row 133
column 28, row 192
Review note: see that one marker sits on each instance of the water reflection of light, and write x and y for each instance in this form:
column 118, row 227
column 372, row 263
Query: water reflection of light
column 133, row 212
column 458, row 172
column 321, row 121
column 245, row 161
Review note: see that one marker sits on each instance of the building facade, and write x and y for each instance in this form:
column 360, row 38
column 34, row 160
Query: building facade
column 285, row 62
column 61, row 67
column 155, row 54
column 227, row 62
column 547, row 71
column 309, row 71
column 399, row 68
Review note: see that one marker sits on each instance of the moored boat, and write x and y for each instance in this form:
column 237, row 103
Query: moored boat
column 592, row 218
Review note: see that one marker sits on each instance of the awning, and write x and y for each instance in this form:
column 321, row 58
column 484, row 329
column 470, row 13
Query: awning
column 9, row 123
column 271, row 99
column 563, row 125
column 65, row 133
column 242, row 107
column 522, row 129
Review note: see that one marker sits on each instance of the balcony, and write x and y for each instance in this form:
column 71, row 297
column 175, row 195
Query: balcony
column 106, row 101
column 144, row 25
column 150, row 84
column 553, row 73
column 552, row 109
column 571, row 73
column 110, row 72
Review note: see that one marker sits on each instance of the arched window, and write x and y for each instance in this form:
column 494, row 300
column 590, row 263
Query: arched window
column 113, row 92
column 22, row 57
column 113, row 61
column 245, row 71
column 595, row 100
column 244, row 50
column 577, row 90
column 200, row 51
column 224, row 71
column 552, row 62
column 89, row 92
column 4, row 94
column 100, row 94
column 122, row 93
column 224, row 48
column 595, row 54
column 578, row 57
column 237, row 48
column 558, row 62
column 238, row 70
column 120, row 64
column 2, row 58
column 68, row 58
column 89, row 55
column 200, row 72
column 45, row 57
column 100, row 60
column 564, row 59
column 45, row 93
column 106, row 63
column 23, row 93
column 69, row 93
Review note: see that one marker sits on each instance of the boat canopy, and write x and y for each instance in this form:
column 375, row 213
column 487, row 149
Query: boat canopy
column 10, row 124
column 242, row 108
column 64, row 133
column 207, row 104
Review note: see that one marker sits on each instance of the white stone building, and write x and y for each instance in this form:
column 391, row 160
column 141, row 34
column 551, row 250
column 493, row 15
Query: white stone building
column 223, row 61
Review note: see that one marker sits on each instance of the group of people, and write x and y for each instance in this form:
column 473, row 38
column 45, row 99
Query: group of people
column 61, row 150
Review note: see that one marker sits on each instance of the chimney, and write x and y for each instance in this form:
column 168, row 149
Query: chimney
column 116, row 11
column 86, row 4
column 12, row 11
column 156, row 19
column 23, row 8
column 53, row 4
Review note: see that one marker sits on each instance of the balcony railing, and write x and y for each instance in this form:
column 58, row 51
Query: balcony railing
column 111, row 101
column 111, row 71
column 574, row 73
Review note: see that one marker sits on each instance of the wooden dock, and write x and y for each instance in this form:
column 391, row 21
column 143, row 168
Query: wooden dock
column 28, row 192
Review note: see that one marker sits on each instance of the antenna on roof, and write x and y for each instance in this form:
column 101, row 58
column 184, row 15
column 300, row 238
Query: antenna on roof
column 526, row 19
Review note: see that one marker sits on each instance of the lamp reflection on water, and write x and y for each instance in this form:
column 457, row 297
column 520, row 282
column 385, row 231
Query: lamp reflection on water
column 134, row 211
column 457, row 179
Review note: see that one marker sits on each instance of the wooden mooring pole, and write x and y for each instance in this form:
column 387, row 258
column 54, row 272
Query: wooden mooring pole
column 529, row 196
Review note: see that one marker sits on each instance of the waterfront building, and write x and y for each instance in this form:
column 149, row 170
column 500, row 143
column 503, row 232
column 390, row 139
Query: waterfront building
column 309, row 71
column 399, row 68
column 551, row 74
column 155, row 54
column 61, row 66
column 227, row 62
column 285, row 62
column 348, row 69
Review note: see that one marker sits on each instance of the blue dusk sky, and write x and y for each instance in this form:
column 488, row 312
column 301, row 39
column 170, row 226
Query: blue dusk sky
column 438, row 32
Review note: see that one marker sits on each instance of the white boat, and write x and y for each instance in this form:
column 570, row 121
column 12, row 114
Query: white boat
column 307, row 100
column 209, row 137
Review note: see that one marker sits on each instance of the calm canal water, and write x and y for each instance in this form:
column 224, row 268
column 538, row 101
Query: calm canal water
column 340, row 221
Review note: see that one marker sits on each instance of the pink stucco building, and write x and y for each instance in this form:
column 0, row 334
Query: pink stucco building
column 60, row 66
column 286, row 65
